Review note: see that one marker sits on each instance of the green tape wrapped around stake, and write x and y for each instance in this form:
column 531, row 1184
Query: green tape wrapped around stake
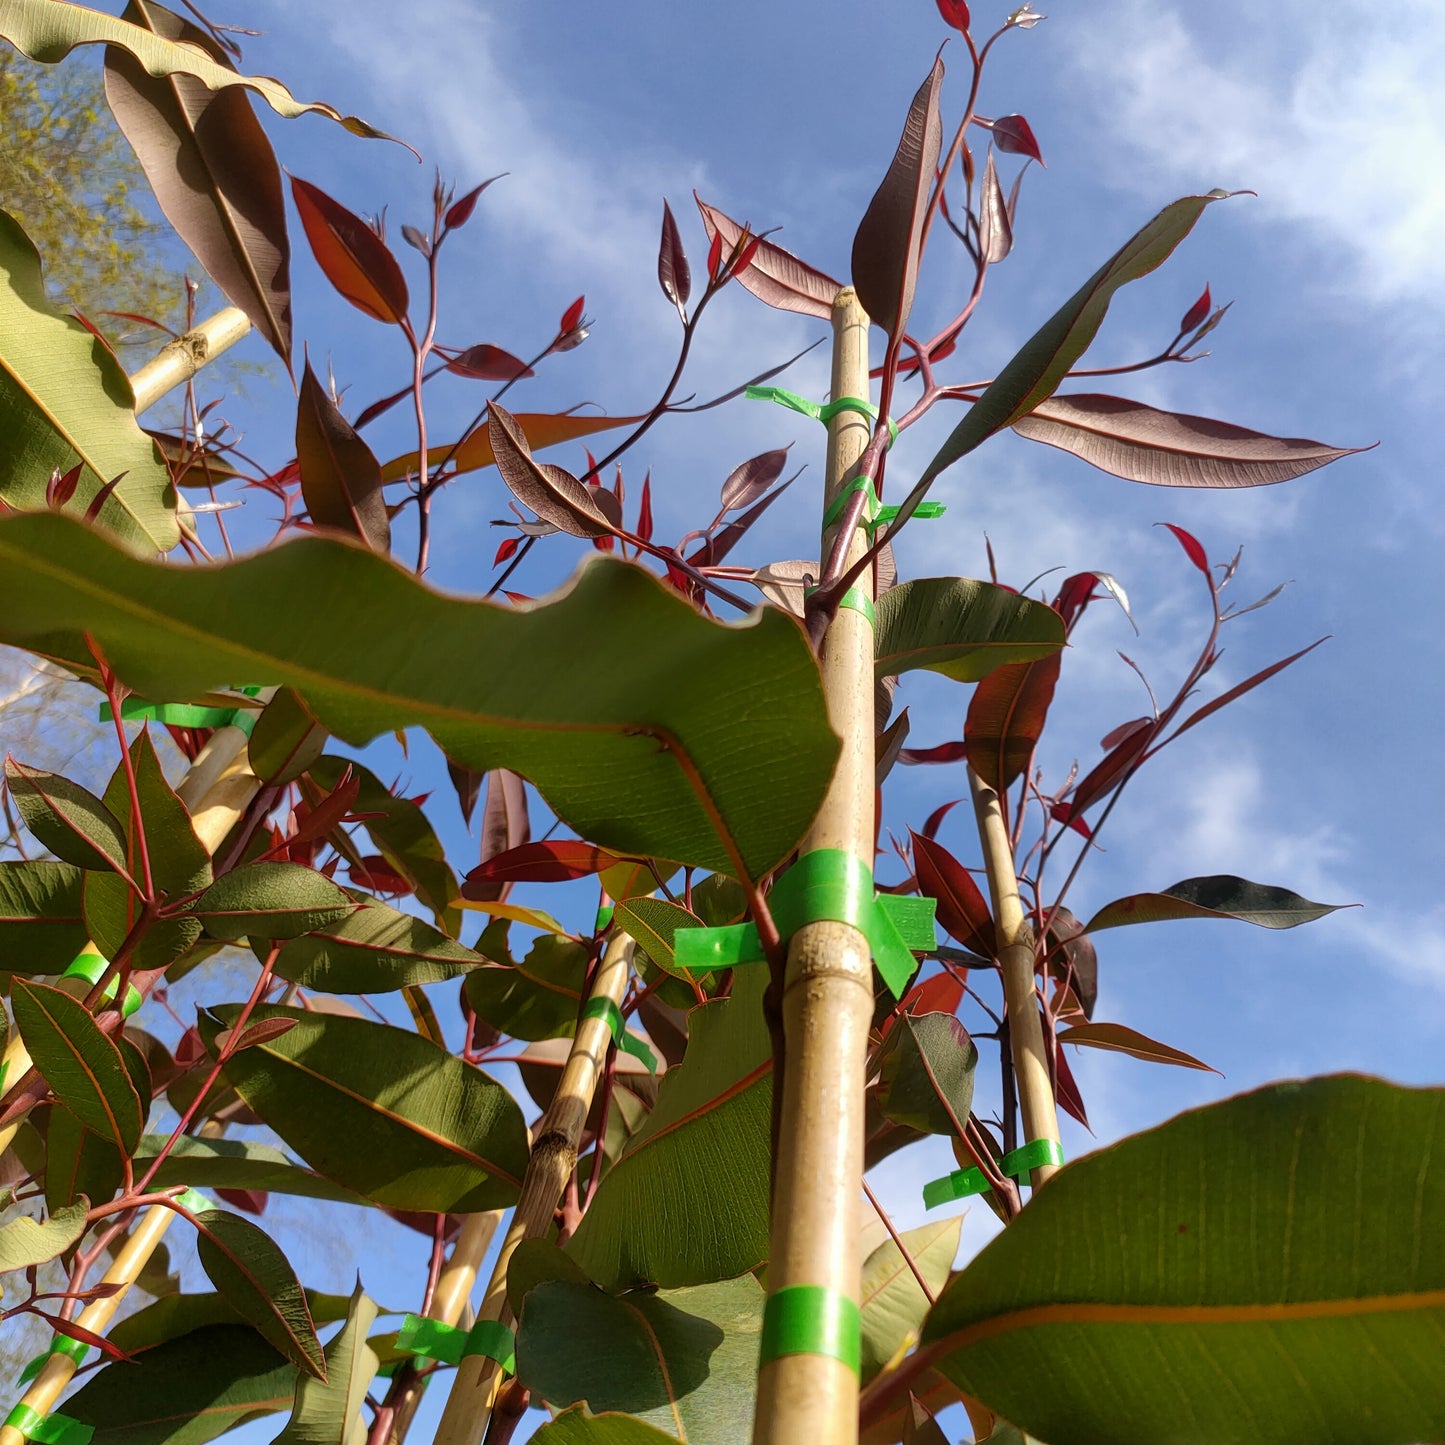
column 819, row 411
column 811, row 1319
column 48, row 1429
column 91, row 967
column 59, row 1345
column 855, row 599
column 874, row 516
column 964, row 1182
column 185, row 714
column 611, row 1015
column 450, row 1344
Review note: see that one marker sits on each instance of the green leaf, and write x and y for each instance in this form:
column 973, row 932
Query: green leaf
column 535, row 1261
column 186, row 1391
column 286, row 740
column 651, row 923
column 25, row 1241
column 580, row 1427
column 180, row 865
column 66, row 818
column 64, row 399
column 927, row 1065
column 538, row 998
column 82, row 1066
column 684, row 1360
column 382, row 1111
column 178, row 1315
column 1220, row 896
column 403, row 835
column 248, row 1267
column 331, row 1413
column 373, row 950
column 78, row 1163
column 41, row 929
column 1239, row 1274
column 687, row 1203
column 271, row 900
column 48, row 32
column 584, row 695
column 236, row 1164
column 892, row 1305
column 961, row 628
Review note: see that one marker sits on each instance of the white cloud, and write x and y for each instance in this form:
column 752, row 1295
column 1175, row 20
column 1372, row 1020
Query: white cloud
column 1344, row 135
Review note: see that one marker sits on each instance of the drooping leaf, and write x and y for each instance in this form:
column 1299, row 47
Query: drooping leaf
column 550, row 861
column 888, row 245
column 286, row 739
column 48, row 33
column 539, row 998
column 542, row 429
column 556, row 496
column 373, row 950
column 687, row 1203
column 63, row 399
column 579, row 1426
column 329, row 1411
column 961, row 628
column 682, row 1360
column 995, row 229
column 83, row 1067
column 1262, row 1303
column 926, row 1065
column 340, row 477
column 248, row 1267
column 236, row 1164
column 212, row 170
column 382, row 1111
column 962, row 908
column 1218, row 896
column 1013, row 134
column 1124, row 1040
column 351, row 255
column 632, row 752
column 25, row 1241
column 673, row 273
column 271, row 900
column 1005, row 719
column 66, row 818
column 41, row 929
column 1170, row 449
column 485, row 362
column 891, row 1304
column 775, row 275
column 1072, row 958
column 78, row 1163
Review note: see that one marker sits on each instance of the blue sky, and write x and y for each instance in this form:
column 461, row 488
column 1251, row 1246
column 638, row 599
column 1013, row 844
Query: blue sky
column 1327, row 780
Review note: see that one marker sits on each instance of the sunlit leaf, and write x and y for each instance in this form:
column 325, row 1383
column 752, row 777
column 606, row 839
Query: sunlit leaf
column 351, row 255
column 673, row 273
column 891, row 1304
column 271, row 900
column 555, row 495
column 1006, row 718
column 330, row 1411
column 25, row 1241
column 1217, row 896
column 41, row 929
column 926, row 1068
column 69, row 820
column 1122, row 1040
column 775, row 275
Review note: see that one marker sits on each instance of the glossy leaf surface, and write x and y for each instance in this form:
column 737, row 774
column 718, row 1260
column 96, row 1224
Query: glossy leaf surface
column 775, row 275
column 351, row 255
column 961, row 628
column 340, row 478
column 962, row 908
column 674, row 275
column 1005, row 719
column 631, row 750
column 1220, row 896
column 1234, row 1299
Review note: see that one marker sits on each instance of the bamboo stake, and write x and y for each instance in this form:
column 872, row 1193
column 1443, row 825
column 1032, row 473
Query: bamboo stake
column 179, row 360
column 1016, row 959
column 452, row 1294
column 554, row 1156
column 828, row 998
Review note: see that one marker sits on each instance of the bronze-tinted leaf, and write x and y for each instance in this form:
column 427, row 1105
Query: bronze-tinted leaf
column 889, row 241
column 505, row 825
column 485, row 362
column 1129, row 1041
column 962, row 909
column 555, row 495
column 995, row 225
column 673, row 273
column 1006, row 718
column 1170, row 449
column 340, row 477
column 212, row 169
column 353, row 257
column 749, row 480
column 775, row 275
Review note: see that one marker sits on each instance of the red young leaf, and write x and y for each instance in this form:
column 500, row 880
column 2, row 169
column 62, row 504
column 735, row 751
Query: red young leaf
column 1012, row 133
column 888, row 244
column 340, row 477
column 489, row 363
column 1192, row 549
column 375, row 873
column 955, row 13
column 745, row 256
column 943, row 753
column 673, row 272
column 506, row 551
column 748, row 481
column 1066, row 1091
column 555, row 495
column 962, row 909
column 460, row 211
column 1107, row 772
column 712, row 552
column 644, row 511
column 1239, row 689
column 467, row 783
column 935, row 819
column 253, row 1201
column 61, row 486
column 1006, row 716
column 571, row 317
column 505, row 825
column 353, row 257
column 549, row 862
column 774, row 275
column 1196, row 313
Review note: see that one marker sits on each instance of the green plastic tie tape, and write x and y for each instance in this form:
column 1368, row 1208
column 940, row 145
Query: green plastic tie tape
column 963, row 1182
column 604, row 917
column 856, row 599
column 59, row 1345
column 874, row 516
column 606, row 1010
column 194, row 1200
column 90, row 967
column 185, row 714
column 450, row 1344
column 48, row 1429
column 826, row 884
column 820, row 411
column 811, row 1319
